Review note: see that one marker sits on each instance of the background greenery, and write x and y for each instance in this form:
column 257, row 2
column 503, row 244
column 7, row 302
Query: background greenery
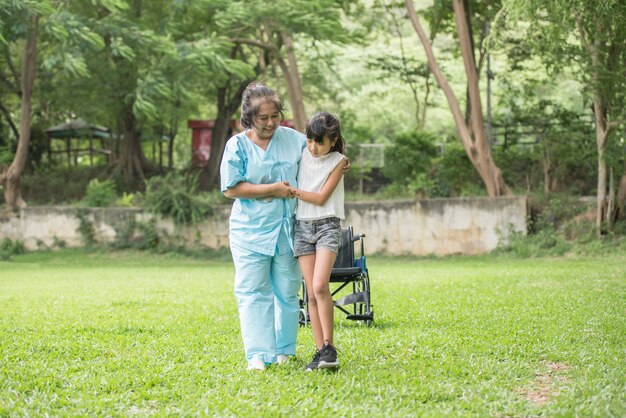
column 157, row 65
column 128, row 333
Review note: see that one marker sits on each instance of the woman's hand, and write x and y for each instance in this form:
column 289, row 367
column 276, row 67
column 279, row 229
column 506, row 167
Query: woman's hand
column 282, row 189
column 347, row 166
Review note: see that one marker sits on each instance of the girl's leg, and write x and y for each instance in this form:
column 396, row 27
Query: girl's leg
column 324, row 261
column 255, row 299
column 307, row 266
column 286, row 280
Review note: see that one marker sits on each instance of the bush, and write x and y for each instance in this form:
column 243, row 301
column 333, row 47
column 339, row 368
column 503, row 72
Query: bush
column 455, row 175
column 9, row 248
column 409, row 160
column 100, row 193
column 50, row 185
column 176, row 195
column 560, row 224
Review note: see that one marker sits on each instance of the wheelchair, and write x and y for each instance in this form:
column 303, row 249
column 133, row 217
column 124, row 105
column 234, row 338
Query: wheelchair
column 349, row 282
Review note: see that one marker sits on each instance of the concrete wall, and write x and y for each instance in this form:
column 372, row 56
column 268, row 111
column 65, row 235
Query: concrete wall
column 412, row 227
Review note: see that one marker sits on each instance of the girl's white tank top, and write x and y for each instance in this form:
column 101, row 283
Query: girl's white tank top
column 312, row 174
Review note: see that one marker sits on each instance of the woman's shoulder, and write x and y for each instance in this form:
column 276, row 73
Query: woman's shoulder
column 238, row 140
column 290, row 138
column 290, row 133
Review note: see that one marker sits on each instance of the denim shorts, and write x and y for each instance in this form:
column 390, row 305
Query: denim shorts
column 312, row 235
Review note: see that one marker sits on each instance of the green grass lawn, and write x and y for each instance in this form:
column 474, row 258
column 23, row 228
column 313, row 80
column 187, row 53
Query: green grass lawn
column 122, row 334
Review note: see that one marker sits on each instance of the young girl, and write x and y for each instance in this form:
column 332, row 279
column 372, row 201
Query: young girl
column 318, row 228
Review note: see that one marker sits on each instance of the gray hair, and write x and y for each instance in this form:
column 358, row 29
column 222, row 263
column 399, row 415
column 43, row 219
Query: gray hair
column 253, row 96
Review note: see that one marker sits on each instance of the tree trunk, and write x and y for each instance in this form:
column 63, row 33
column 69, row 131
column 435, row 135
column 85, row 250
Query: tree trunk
column 294, row 86
column 12, row 178
column 170, row 151
column 132, row 163
column 227, row 104
column 621, row 196
column 601, row 136
column 475, row 142
column 601, row 110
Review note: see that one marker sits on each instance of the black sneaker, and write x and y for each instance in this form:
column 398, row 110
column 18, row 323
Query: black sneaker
column 328, row 357
column 314, row 363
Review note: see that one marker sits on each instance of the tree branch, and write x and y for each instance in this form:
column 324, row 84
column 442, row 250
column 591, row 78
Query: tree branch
column 12, row 87
column 254, row 42
column 14, row 72
column 581, row 32
column 7, row 116
column 439, row 77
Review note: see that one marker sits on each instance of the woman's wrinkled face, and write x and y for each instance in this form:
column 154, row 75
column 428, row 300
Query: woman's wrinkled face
column 317, row 150
column 266, row 120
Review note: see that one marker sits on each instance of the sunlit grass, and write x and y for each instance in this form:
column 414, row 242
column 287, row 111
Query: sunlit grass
column 129, row 333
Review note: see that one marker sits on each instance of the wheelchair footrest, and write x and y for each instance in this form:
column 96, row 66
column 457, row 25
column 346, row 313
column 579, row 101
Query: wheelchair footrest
column 358, row 297
column 361, row 317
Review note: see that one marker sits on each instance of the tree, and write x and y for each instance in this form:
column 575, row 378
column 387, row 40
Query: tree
column 589, row 33
column 275, row 27
column 473, row 136
column 155, row 59
column 11, row 179
column 26, row 25
column 262, row 37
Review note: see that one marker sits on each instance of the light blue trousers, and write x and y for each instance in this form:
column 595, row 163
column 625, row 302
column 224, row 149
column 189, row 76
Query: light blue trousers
column 266, row 288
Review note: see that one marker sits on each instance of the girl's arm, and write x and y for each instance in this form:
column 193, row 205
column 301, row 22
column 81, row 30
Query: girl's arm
column 327, row 189
column 246, row 190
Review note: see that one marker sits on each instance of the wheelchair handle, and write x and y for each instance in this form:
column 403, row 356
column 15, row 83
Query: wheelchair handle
column 357, row 237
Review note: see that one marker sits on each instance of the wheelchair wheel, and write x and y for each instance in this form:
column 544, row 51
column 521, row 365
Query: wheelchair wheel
column 303, row 319
column 369, row 311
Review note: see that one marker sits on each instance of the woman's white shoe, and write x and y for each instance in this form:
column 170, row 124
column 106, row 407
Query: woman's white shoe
column 256, row 365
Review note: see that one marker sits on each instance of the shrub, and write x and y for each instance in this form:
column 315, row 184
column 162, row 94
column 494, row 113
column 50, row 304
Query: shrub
column 54, row 184
column 100, row 193
column 176, row 195
column 127, row 200
column 9, row 248
column 85, row 228
column 409, row 160
column 455, row 175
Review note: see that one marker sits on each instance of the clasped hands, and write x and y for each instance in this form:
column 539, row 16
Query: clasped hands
column 282, row 189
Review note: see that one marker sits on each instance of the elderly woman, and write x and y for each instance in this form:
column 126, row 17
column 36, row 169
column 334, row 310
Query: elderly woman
column 259, row 170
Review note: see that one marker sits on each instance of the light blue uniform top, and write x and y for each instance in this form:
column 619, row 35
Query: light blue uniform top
column 255, row 224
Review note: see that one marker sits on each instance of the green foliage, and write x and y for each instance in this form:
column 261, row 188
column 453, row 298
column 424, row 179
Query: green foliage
column 137, row 235
column 409, row 159
column 149, row 234
column 100, row 193
column 127, row 200
column 544, row 243
column 9, row 248
column 560, row 225
column 85, row 227
column 58, row 184
column 540, row 140
column 176, row 195
column 454, row 174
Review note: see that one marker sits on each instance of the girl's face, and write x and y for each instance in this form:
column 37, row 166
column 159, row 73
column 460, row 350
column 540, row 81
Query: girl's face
column 267, row 120
column 317, row 150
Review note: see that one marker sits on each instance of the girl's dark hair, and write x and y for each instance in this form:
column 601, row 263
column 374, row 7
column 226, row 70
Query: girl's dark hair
column 253, row 96
column 324, row 124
